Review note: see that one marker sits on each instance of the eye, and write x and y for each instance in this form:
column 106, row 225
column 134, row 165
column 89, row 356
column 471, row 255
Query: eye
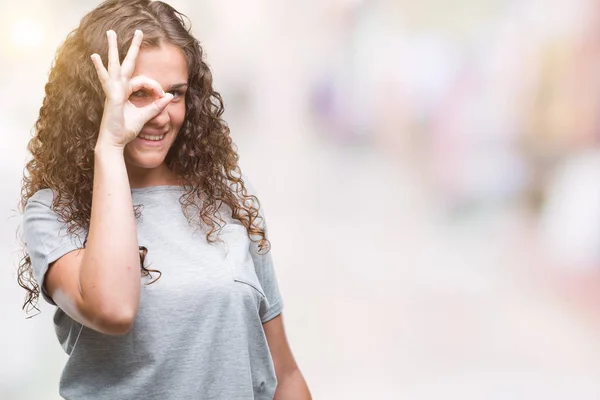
column 177, row 93
column 138, row 93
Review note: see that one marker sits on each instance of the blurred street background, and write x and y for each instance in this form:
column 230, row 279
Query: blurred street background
column 431, row 175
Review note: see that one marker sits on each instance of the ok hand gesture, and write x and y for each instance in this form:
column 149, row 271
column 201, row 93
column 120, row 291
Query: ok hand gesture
column 122, row 120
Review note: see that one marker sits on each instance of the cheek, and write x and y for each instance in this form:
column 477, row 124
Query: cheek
column 177, row 115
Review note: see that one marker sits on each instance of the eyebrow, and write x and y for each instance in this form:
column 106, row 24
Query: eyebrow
column 177, row 86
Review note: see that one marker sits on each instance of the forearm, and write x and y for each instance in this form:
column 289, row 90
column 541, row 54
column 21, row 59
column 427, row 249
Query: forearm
column 292, row 386
column 110, row 271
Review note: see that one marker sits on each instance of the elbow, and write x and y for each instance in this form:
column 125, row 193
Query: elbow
column 116, row 323
column 105, row 315
column 116, row 327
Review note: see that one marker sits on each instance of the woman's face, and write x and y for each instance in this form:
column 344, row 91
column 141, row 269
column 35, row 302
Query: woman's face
column 166, row 65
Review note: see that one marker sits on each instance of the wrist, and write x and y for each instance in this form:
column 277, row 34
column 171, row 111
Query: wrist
column 105, row 146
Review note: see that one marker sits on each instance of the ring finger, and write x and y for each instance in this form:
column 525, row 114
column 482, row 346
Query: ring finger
column 114, row 66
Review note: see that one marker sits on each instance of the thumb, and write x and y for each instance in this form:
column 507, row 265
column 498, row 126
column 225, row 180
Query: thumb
column 156, row 107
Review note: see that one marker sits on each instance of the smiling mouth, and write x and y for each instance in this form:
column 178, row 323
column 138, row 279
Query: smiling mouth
column 152, row 135
column 153, row 138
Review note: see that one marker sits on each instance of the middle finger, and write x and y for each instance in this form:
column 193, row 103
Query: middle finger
column 128, row 65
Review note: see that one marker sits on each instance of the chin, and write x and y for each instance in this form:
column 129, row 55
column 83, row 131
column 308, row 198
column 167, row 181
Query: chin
column 149, row 161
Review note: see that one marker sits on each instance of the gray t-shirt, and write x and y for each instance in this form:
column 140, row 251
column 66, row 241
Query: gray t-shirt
column 198, row 333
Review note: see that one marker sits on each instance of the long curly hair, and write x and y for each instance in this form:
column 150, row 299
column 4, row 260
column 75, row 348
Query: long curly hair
column 66, row 131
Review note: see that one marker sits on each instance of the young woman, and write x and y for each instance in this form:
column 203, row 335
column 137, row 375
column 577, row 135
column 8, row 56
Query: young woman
column 139, row 226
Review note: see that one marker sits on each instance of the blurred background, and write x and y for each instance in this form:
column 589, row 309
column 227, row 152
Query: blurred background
column 431, row 175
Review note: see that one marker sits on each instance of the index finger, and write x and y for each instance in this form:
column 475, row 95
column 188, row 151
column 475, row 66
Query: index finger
column 128, row 65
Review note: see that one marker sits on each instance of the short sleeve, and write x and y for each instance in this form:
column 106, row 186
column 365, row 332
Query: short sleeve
column 265, row 269
column 46, row 237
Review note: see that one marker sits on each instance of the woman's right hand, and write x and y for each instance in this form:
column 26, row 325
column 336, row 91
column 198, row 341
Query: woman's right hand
column 122, row 121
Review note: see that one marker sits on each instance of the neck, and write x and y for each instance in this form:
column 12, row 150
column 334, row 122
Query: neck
column 145, row 177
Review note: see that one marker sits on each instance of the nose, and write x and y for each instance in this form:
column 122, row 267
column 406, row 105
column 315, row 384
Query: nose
column 160, row 120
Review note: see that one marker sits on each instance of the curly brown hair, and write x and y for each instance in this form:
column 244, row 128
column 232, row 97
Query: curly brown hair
column 66, row 131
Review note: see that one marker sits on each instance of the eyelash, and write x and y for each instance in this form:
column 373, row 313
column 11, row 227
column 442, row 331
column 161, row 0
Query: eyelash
column 176, row 93
column 142, row 93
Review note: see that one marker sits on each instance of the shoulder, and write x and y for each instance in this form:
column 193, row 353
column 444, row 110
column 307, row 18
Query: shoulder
column 248, row 184
column 42, row 196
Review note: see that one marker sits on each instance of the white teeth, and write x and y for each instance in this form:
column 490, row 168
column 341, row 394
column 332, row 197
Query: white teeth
column 152, row 137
